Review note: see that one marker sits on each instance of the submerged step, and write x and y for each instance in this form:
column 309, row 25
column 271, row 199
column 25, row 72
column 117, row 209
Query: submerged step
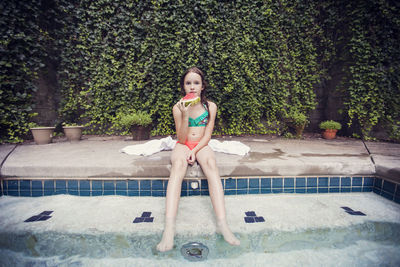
column 105, row 245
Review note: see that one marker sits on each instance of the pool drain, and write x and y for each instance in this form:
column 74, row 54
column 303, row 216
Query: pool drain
column 194, row 251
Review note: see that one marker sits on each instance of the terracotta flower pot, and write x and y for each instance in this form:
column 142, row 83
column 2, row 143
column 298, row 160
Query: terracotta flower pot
column 42, row 135
column 140, row 132
column 73, row 133
column 329, row 134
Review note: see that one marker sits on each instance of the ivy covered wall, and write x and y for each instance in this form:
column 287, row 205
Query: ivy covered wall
column 264, row 60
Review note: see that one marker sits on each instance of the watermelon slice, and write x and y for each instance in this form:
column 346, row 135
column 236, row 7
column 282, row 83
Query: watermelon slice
column 190, row 98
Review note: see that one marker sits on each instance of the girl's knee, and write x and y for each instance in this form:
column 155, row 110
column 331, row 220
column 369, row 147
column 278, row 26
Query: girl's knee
column 210, row 164
column 179, row 163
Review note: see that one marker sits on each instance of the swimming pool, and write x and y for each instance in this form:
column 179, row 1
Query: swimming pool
column 300, row 229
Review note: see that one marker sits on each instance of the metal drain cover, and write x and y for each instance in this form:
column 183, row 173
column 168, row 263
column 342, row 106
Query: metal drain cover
column 194, row 251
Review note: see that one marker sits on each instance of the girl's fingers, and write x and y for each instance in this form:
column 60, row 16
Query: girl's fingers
column 191, row 159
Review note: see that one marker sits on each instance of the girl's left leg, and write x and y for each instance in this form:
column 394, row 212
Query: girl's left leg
column 206, row 158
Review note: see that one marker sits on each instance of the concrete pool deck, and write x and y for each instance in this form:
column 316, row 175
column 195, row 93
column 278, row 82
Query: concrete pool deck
column 100, row 157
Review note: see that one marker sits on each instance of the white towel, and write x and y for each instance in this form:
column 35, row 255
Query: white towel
column 229, row 147
column 167, row 143
column 150, row 147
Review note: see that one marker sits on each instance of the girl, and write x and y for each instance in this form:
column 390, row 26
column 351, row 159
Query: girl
column 194, row 125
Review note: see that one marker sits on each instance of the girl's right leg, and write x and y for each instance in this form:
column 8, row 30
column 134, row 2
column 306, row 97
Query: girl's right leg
column 178, row 171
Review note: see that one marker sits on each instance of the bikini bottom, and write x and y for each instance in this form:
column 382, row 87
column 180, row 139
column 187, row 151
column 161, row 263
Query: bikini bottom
column 191, row 144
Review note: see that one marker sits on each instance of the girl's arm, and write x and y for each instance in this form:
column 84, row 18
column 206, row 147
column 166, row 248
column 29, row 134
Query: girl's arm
column 209, row 128
column 181, row 118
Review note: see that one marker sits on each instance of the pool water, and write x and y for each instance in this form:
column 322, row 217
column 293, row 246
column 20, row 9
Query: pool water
column 299, row 230
column 373, row 242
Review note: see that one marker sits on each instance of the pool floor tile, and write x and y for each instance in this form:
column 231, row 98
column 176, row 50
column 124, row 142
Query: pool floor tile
column 46, row 212
column 144, row 218
column 138, row 220
column 347, row 208
column 353, row 212
column 43, row 216
column 250, row 213
column 146, row 214
column 33, row 218
column 357, row 213
column 259, row 219
column 249, row 219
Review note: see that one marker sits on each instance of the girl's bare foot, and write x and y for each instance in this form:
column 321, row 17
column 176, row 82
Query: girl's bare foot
column 167, row 241
column 229, row 237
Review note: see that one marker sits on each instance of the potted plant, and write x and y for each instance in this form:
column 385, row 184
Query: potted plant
column 41, row 135
column 330, row 127
column 298, row 121
column 137, row 122
column 72, row 131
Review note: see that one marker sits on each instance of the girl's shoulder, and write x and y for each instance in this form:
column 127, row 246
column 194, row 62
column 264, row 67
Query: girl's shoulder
column 175, row 109
column 175, row 106
column 211, row 104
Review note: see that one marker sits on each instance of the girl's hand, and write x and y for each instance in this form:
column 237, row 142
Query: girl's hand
column 184, row 109
column 191, row 158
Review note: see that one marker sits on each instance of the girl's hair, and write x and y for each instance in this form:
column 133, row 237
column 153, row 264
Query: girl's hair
column 203, row 81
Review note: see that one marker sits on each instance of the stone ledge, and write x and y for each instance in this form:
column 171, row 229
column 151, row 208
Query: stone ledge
column 276, row 157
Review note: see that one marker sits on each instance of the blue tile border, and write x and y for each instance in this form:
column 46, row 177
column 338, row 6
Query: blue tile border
column 231, row 186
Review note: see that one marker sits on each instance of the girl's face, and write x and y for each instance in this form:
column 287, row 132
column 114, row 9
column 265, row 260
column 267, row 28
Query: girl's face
column 193, row 83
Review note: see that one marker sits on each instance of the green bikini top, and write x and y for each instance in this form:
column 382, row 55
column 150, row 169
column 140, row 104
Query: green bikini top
column 200, row 121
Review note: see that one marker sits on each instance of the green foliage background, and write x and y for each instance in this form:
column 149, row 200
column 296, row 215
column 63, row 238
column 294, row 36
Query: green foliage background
column 262, row 59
